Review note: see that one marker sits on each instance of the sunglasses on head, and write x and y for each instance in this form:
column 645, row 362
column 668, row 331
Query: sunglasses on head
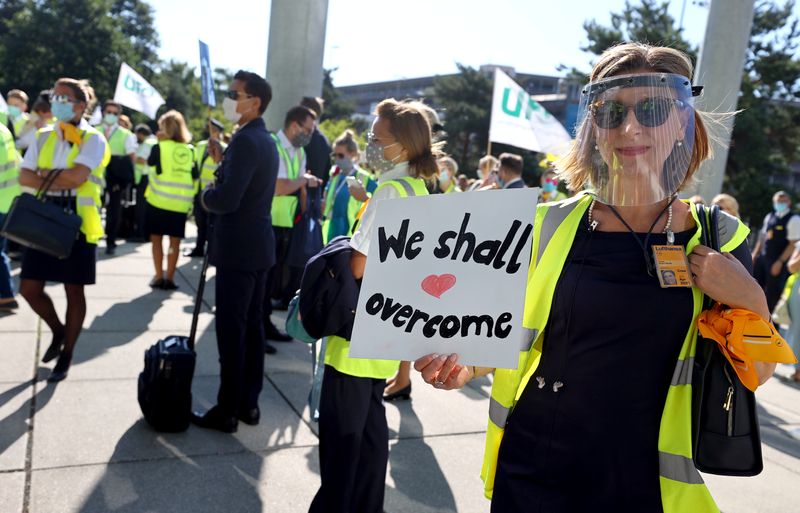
column 650, row 112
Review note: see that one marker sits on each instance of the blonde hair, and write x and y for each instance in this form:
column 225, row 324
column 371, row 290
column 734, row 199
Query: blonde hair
column 409, row 124
column 575, row 167
column 488, row 162
column 348, row 140
column 173, row 126
column 18, row 94
column 727, row 203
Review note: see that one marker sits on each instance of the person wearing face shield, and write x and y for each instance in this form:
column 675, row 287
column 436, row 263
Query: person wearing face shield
column 779, row 233
column 598, row 403
column 290, row 197
column 81, row 151
column 120, row 172
column 353, row 434
column 341, row 205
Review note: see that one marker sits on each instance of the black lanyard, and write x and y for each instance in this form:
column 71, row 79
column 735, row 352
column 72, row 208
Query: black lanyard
column 647, row 259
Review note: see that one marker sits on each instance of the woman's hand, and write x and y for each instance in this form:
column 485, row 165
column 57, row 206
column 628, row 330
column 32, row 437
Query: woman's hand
column 776, row 268
column 443, row 371
column 358, row 192
column 722, row 277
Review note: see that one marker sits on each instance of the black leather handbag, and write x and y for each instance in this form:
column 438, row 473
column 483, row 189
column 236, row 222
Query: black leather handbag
column 725, row 433
column 47, row 227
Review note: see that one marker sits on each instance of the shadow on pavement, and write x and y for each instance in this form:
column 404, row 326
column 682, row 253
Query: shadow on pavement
column 776, row 437
column 176, row 481
column 15, row 425
column 415, row 469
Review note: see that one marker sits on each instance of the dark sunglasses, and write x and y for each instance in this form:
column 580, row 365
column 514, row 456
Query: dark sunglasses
column 234, row 95
column 650, row 112
column 338, row 155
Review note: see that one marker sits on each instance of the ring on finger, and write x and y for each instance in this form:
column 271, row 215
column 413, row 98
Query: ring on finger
column 438, row 384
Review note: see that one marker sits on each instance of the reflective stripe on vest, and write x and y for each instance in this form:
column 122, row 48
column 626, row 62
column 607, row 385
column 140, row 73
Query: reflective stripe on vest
column 174, row 188
column 682, row 487
column 9, row 170
column 338, row 349
column 89, row 192
column 285, row 207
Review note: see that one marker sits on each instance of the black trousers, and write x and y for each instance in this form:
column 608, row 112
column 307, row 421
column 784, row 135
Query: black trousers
column 353, row 445
column 201, row 219
column 141, row 208
column 240, row 338
column 772, row 285
column 113, row 213
column 284, row 280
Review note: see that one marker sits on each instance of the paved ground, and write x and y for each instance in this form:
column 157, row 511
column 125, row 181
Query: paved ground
column 82, row 446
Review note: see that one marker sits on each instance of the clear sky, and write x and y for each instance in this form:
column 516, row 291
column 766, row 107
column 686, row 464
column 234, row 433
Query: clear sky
column 376, row 40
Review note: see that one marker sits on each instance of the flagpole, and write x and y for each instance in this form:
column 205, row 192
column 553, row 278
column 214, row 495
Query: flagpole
column 489, row 148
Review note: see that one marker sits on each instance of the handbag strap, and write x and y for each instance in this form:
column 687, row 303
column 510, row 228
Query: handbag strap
column 709, row 235
column 48, row 182
column 198, row 300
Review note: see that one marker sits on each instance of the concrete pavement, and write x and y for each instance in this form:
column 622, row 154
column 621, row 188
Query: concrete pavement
column 82, row 446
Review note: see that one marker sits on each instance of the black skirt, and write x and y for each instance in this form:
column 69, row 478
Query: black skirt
column 164, row 222
column 79, row 268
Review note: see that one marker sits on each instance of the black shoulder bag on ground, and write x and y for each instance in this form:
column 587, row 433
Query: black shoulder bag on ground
column 725, row 432
column 165, row 384
column 47, row 227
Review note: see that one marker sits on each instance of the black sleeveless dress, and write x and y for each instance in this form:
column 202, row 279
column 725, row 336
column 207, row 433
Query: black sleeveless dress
column 612, row 339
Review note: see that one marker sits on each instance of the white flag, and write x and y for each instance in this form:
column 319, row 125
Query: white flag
column 519, row 120
column 133, row 91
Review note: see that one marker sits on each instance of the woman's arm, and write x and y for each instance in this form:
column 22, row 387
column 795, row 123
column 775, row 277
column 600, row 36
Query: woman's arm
column 443, row 371
column 793, row 265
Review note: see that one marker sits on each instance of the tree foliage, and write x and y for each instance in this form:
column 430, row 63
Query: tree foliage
column 335, row 107
column 465, row 102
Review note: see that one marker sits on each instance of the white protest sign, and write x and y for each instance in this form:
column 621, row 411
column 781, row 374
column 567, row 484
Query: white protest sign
column 447, row 274
column 135, row 92
column 521, row 121
column 3, row 104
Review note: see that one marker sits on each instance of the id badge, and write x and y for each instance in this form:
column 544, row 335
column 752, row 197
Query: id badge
column 672, row 266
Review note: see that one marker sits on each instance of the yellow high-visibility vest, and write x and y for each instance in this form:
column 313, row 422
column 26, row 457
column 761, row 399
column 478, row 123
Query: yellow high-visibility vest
column 555, row 225
column 9, row 170
column 89, row 194
column 205, row 163
column 284, row 207
column 174, row 188
column 338, row 349
column 353, row 205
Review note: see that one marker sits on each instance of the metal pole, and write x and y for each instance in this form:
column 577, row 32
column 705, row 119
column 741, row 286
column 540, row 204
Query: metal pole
column 719, row 70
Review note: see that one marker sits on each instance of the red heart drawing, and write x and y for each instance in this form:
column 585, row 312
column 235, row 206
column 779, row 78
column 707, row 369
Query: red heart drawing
column 438, row 285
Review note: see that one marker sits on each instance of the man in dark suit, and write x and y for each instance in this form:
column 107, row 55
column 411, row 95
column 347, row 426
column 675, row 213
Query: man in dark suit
column 242, row 247
column 510, row 172
column 318, row 150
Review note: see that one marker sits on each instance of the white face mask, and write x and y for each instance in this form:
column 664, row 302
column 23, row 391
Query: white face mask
column 229, row 109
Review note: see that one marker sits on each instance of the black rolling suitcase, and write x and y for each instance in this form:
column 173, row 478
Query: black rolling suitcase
column 165, row 384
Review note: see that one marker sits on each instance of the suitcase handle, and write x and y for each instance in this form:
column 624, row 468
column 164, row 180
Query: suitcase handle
column 198, row 300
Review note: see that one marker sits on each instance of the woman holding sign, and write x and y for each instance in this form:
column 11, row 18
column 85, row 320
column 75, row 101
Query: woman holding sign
column 596, row 416
column 353, row 435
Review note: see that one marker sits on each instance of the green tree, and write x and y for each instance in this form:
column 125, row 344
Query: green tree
column 41, row 41
column 465, row 102
column 335, row 106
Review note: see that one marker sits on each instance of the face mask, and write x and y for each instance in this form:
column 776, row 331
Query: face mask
column 110, row 119
column 229, row 110
column 549, row 187
column 14, row 111
column 62, row 111
column 300, row 140
column 443, row 176
column 780, row 207
column 375, row 158
column 345, row 164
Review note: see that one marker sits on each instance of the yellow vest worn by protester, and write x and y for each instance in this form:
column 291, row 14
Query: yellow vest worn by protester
column 140, row 170
column 284, row 207
column 116, row 142
column 174, row 188
column 682, row 488
column 19, row 123
column 9, row 170
column 205, row 163
column 338, row 349
column 89, row 194
column 353, row 205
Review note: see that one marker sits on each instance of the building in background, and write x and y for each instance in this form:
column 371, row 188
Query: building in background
column 559, row 96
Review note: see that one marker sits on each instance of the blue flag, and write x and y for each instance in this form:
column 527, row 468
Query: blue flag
column 206, row 77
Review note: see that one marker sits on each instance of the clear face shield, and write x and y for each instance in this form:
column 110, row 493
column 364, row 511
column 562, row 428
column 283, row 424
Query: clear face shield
column 635, row 136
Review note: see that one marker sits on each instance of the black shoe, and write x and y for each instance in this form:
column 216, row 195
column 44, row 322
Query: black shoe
column 213, row 419
column 54, row 350
column 272, row 333
column 157, row 283
column 269, row 348
column 169, row 285
column 404, row 394
column 61, row 369
column 9, row 306
column 251, row 416
column 196, row 252
column 280, row 305
column 110, row 250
